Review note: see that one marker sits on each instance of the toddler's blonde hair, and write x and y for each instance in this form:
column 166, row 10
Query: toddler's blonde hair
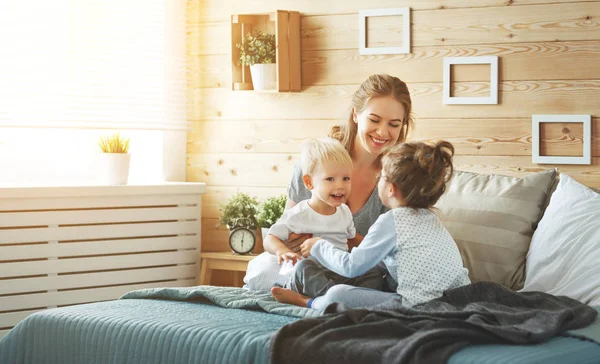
column 317, row 151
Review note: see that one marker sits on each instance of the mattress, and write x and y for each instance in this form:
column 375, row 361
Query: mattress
column 148, row 331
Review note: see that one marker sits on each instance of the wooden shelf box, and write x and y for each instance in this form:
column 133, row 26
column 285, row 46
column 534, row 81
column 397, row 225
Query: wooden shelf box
column 286, row 27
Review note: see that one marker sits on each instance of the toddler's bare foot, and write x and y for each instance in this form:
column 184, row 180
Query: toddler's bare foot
column 285, row 295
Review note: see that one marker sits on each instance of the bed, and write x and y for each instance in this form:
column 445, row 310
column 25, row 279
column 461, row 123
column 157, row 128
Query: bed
column 214, row 325
column 206, row 324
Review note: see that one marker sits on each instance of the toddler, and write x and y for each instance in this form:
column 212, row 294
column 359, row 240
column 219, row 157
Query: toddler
column 417, row 250
column 326, row 170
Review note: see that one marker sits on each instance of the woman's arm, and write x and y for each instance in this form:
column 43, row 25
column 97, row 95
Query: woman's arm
column 379, row 242
column 354, row 242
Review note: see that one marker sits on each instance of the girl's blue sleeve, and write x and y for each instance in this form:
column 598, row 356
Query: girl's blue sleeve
column 377, row 244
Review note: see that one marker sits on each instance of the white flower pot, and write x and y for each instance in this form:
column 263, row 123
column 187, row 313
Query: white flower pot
column 264, row 76
column 113, row 168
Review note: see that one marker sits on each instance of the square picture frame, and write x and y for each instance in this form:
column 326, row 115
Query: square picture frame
column 362, row 30
column 586, row 120
column 490, row 100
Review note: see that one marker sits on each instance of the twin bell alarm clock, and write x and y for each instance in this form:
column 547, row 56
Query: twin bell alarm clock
column 241, row 236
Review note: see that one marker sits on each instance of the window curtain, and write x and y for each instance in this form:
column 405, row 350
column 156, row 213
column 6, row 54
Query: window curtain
column 74, row 70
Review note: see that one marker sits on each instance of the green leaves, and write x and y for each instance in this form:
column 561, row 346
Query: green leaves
column 240, row 205
column 271, row 210
column 257, row 48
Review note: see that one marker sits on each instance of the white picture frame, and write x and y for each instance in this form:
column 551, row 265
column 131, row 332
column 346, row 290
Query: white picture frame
column 362, row 30
column 586, row 120
column 489, row 100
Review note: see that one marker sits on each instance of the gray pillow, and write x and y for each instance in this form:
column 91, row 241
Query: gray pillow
column 492, row 219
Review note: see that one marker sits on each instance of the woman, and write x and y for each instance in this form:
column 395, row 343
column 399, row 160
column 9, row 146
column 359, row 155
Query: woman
column 380, row 117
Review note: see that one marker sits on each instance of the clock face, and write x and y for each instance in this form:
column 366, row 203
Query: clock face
column 242, row 241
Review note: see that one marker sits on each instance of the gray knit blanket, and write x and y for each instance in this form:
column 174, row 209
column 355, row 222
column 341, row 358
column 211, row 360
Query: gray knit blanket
column 476, row 314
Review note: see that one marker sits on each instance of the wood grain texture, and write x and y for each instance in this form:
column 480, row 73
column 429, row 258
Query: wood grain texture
column 561, row 139
column 214, row 11
column 520, row 61
column 480, row 136
column 248, row 142
column 534, row 23
column 516, row 99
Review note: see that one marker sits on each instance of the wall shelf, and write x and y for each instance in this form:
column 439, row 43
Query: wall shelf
column 286, row 27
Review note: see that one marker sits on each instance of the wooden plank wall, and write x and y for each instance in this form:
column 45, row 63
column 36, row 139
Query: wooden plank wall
column 248, row 141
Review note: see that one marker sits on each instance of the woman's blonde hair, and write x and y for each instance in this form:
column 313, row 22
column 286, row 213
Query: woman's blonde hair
column 419, row 171
column 375, row 86
column 317, row 151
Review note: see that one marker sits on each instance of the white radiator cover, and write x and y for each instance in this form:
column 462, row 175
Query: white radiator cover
column 71, row 245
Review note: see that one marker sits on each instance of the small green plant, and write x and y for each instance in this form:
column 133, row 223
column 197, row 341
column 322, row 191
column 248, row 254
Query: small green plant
column 114, row 144
column 239, row 205
column 270, row 210
column 257, row 48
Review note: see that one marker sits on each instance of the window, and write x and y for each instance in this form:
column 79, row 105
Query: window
column 72, row 71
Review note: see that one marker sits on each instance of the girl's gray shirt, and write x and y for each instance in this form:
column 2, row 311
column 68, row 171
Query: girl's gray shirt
column 363, row 218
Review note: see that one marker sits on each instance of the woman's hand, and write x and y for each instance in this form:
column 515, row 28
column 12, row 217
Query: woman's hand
column 307, row 245
column 294, row 240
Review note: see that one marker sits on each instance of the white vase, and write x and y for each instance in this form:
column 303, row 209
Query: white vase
column 113, row 168
column 264, row 76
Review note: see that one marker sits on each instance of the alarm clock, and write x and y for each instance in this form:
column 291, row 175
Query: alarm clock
column 241, row 236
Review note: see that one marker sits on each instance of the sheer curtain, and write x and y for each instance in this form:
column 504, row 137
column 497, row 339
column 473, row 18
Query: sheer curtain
column 74, row 70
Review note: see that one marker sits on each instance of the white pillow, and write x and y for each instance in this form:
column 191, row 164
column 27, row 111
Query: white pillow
column 564, row 255
column 263, row 272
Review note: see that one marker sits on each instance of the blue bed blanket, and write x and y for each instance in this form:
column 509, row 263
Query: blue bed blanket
column 192, row 326
column 228, row 297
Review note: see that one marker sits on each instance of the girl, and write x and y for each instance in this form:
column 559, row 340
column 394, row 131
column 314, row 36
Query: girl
column 416, row 249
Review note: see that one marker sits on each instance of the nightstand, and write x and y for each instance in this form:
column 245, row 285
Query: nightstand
column 224, row 261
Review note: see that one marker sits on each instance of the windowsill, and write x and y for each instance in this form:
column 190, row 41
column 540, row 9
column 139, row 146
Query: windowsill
column 64, row 190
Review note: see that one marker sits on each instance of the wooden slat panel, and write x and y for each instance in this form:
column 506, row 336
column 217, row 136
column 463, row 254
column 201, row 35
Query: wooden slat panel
column 20, row 269
column 254, row 136
column 520, row 61
column 13, row 318
column 211, row 11
column 562, row 139
column 50, row 203
column 482, row 136
column 37, row 284
column 102, row 247
column 487, row 136
column 36, row 218
column 517, row 99
column 80, row 296
column 520, row 166
column 273, row 170
column 536, row 23
column 216, row 196
column 250, row 173
column 14, row 236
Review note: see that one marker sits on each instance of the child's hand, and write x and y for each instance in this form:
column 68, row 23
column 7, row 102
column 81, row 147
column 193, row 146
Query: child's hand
column 307, row 245
column 287, row 255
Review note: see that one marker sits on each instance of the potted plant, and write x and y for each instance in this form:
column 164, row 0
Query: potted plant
column 258, row 51
column 114, row 160
column 269, row 211
column 238, row 206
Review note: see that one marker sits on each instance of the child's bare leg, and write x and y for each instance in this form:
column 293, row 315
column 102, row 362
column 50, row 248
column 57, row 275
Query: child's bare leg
column 285, row 295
